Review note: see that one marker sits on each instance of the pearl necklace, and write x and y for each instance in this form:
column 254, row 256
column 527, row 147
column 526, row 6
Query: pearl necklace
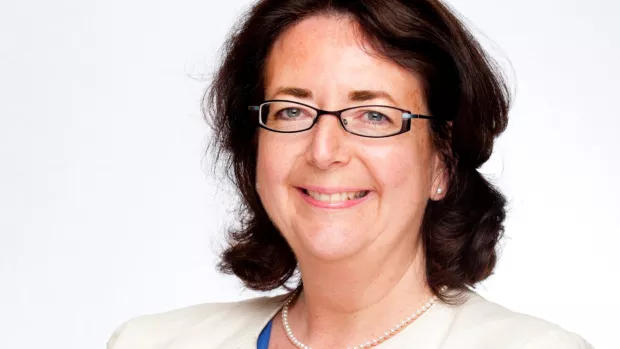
column 369, row 344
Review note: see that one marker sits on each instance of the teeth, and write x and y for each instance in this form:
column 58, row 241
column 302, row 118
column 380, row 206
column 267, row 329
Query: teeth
column 336, row 197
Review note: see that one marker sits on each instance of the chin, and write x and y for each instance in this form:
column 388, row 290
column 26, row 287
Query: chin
column 330, row 243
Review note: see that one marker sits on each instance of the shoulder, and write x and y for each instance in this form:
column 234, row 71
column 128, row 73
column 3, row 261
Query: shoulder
column 149, row 331
column 484, row 324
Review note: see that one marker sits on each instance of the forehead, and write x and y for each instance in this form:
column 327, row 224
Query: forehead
column 329, row 54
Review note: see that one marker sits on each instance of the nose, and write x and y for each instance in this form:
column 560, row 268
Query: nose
column 328, row 149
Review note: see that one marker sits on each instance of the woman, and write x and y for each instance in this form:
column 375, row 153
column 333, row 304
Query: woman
column 354, row 131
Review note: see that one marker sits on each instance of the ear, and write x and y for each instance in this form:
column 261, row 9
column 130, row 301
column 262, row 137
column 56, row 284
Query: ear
column 439, row 183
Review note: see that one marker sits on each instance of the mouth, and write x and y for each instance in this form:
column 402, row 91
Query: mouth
column 336, row 197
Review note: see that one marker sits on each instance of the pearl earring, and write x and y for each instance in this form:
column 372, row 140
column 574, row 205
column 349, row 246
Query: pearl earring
column 439, row 190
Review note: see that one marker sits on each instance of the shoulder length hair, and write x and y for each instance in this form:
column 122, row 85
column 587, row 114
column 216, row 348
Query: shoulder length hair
column 460, row 233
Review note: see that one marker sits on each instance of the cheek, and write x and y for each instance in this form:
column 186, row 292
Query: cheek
column 403, row 177
column 401, row 170
column 270, row 172
column 268, row 168
column 276, row 157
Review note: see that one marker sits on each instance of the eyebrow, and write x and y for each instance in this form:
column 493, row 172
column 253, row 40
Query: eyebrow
column 294, row 92
column 366, row 95
column 355, row 96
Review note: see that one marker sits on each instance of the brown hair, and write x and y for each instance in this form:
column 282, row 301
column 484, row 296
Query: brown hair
column 461, row 232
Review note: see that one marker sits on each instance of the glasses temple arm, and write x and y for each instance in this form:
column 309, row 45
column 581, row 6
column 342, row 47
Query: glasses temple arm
column 417, row 116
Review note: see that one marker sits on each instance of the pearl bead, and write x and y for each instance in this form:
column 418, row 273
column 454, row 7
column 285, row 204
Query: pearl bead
column 387, row 335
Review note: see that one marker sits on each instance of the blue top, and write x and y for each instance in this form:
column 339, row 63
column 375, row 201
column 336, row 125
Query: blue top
column 263, row 338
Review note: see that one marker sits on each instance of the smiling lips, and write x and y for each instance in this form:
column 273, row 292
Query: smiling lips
column 336, row 197
column 333, row 199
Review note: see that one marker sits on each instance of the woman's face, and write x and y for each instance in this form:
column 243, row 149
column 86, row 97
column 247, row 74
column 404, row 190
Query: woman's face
column 310, row 182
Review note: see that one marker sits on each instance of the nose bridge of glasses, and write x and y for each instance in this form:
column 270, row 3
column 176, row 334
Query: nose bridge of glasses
column 321, row 112
column 335, row 113
column 344, row 123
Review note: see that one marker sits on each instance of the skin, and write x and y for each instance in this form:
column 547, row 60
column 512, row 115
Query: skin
column 363, row 266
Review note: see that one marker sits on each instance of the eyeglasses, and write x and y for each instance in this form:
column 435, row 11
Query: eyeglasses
column 374, row 121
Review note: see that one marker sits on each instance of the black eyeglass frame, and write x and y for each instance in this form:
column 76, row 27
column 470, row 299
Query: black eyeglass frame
column 406, row 125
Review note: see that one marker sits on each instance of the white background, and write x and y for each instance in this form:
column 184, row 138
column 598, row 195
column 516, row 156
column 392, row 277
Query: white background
column 108, row 209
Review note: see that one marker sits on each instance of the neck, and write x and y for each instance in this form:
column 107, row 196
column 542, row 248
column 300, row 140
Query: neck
column 347, row 302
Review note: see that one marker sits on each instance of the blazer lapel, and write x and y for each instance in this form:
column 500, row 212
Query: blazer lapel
column 242, row 333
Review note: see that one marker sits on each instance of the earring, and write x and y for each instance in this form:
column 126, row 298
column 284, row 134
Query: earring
column 439, row 190
column 256, row 186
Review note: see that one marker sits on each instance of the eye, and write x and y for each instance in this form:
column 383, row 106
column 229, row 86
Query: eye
column 291, row 112
column 375, row 116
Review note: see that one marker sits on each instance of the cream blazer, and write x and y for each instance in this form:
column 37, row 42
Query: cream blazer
column 475, row 324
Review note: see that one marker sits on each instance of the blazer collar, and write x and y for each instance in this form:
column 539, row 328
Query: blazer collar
column 430, row 330
column 244, row 337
